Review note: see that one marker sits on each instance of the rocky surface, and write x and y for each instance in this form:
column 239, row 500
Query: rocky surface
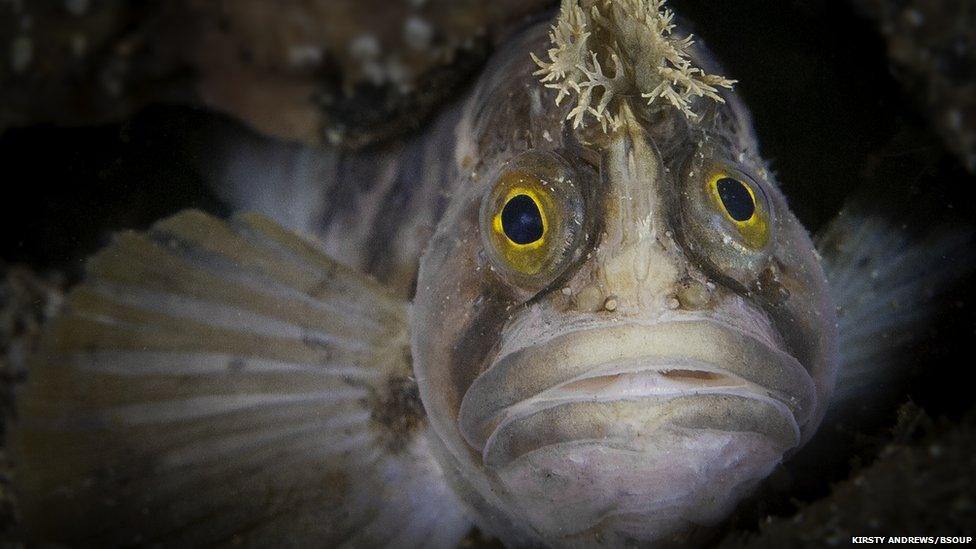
column 82, row 62
column 27, row 300
column 347, row 72
column 352, row 72
column 923, row 483
column 932, row 49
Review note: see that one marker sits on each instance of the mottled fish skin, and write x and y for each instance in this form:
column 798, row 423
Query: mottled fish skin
column 666, row 312
column 373, row 209
column 597, row 465
column 383, row 223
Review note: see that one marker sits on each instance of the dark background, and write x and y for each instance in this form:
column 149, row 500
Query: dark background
column 831, row 117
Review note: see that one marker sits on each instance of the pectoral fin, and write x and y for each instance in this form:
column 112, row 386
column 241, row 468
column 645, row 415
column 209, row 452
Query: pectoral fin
column 886, row 280
column 216, row 382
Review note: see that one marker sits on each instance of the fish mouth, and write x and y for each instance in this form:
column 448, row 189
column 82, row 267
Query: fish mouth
column 617, row 384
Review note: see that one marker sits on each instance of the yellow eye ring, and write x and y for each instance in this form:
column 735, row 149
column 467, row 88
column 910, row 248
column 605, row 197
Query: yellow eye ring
column 740, row 206
column 529, row 255
column 503, row 227
column 531, row 219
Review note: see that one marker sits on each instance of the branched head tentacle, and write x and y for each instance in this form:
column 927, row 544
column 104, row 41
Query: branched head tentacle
column 635, row 38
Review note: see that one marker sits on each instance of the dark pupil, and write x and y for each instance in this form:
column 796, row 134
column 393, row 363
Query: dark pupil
column 521, row 220
column 736, row 199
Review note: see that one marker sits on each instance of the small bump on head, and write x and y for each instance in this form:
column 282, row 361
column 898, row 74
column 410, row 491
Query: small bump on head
column 693, row 295
column 590, row 299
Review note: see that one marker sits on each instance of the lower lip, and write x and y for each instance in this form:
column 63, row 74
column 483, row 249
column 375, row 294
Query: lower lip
column 630, row 420
column 632, row 361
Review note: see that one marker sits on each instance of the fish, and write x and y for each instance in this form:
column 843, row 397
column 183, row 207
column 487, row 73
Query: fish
column 568, row 323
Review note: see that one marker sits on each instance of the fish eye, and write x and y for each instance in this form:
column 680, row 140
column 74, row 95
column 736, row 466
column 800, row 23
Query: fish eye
column 740, row 202
column 737, row 199
column 521, row 220
column 725, row 219
column 531, row 220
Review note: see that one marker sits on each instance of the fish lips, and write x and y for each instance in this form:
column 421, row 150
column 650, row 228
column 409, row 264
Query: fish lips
column 621, row 382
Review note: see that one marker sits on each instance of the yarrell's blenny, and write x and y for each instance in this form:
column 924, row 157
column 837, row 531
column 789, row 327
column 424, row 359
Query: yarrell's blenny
column 593, row 320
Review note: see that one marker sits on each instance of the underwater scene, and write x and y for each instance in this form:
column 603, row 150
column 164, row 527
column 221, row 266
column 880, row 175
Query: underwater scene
column 452, row 273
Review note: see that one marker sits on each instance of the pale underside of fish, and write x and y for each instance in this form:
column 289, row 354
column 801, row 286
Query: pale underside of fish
column 564, row 334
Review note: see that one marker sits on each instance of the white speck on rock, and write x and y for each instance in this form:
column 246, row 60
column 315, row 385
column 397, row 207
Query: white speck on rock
column 76, row 7
column 417, row 33
column 399, row 74
column 79, row 44
column 954, row 119
column 365, row 47
column 306, row 55
column 914, row 18
column 374, row 73
column 21, row 53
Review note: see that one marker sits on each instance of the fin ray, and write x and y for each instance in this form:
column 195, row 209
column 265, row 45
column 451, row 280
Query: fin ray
column 885, row 282
column 216, row 382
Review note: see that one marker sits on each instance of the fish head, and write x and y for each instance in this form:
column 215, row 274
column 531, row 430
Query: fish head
column 617, row 333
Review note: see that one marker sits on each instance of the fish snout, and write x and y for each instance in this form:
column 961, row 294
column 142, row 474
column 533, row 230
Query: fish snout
column 623, row 384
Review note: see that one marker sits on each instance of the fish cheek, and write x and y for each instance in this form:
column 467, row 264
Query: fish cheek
column 792, row 290
column 458, row 314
